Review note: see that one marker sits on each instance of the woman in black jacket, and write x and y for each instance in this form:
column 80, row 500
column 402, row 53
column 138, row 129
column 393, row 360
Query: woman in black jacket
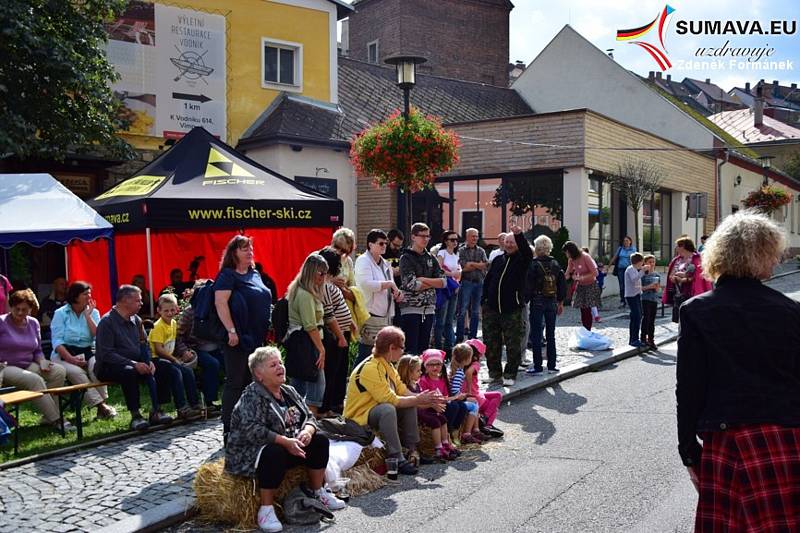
column 738, row 384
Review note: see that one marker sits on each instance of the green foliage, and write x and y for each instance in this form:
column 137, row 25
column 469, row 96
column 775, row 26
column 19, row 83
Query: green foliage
column 55, row 79
column 561, row 236
column 524, row 193
column 651, row 240
column 792, row 165
column 408, row 154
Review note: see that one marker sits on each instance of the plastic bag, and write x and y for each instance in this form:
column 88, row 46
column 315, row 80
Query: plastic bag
column 583, row 339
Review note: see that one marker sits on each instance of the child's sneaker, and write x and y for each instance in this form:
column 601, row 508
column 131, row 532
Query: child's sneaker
column 329, row 500
column 443, row 454
column 268, row 520
column 468, row 438
column 477, row 435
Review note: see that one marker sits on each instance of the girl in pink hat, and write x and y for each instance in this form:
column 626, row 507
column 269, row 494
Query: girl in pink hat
column 435, row 378
column 488, row 401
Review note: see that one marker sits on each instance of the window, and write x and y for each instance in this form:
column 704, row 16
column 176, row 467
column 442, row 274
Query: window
column 372, row 51
column 282, row 65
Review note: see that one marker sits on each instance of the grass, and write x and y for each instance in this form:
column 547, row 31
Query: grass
column 35, row 439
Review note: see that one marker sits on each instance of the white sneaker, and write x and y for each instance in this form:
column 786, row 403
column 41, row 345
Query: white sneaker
column 508, row 382
column 268, row 520
column 329, row 500
column 527, row 358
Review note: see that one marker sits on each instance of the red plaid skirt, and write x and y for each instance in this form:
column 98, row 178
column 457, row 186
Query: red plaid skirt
column 750, row 480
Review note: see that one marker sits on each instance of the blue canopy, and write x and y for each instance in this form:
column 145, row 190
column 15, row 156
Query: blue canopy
column 36, row 209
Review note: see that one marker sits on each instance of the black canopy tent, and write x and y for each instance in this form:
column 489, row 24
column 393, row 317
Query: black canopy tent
column 192, row 199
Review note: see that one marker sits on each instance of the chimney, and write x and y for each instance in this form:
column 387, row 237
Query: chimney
column 708, row 81
column 658, row 75
column 651, row 75
column 794, row 87
column 520, row 64
column 758, row 108
column 776, row 92
column 669, row 78
column 747, row 87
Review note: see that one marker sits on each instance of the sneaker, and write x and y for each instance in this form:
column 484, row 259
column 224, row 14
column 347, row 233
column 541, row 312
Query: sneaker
column 493, row 431
column 67, row 426
column 652, row 344
column 329, row 500
column 444, row 454
column 454, row 452
column 187, row 412
column 527, row 358
column 268, row 520
column 636, row 344
column 508, row 382
column 159, row 418
column 213, row 409
column 468, row 438
column 534, row 371
column 597, row 318
column 105, row 412
column 552, row 371
column 480, row 437
column 492, row 381
column 139, row 424
column 407, row 468
column 623, row 305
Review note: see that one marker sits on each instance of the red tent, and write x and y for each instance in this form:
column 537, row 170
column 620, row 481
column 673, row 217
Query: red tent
column 188, row 203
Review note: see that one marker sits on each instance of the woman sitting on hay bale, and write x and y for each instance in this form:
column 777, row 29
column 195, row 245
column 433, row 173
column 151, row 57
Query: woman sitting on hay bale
column 377, row 397
column 272, row 430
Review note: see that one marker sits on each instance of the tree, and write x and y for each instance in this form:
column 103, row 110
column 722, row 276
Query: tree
column 55, row 79
column 792, row 165
column 636, row 180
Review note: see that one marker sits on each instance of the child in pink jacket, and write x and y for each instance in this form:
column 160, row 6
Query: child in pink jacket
column 488, row 401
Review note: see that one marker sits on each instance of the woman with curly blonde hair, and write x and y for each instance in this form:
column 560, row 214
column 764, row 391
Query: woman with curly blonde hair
column 738, row 384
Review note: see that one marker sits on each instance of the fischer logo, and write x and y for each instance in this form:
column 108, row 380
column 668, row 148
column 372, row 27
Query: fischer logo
column 635, row 35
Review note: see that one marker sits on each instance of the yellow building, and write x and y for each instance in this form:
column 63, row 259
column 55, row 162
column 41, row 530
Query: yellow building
column 219, row 65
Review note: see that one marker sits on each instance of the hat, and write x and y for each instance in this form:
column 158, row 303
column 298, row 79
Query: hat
column 478, row 345
column 432, row 354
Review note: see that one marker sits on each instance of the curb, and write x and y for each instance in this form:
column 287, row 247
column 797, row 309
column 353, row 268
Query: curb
column 594, row 363
column 154, row 519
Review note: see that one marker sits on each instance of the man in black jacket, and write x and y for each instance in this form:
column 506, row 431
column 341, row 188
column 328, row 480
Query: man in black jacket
column 546, row 290
column 503, row 302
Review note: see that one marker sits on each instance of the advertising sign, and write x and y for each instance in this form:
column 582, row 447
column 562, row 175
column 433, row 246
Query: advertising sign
column 172, row 69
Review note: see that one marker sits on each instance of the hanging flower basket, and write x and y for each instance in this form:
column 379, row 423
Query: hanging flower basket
column 767, row 199
column 405, row 154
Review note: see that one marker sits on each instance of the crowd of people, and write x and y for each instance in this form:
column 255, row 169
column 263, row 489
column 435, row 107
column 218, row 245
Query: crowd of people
column 412, row 315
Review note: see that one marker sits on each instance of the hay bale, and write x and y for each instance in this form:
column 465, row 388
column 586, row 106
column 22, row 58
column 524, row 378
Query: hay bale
column 222, row 497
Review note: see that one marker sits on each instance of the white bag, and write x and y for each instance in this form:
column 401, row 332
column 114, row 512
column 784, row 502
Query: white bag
column 583, row 339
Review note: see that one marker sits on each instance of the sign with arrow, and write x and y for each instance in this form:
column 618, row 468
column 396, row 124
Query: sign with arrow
column 194, row 97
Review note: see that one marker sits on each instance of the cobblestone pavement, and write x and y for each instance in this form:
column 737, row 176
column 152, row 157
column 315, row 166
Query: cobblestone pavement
column 88, row 489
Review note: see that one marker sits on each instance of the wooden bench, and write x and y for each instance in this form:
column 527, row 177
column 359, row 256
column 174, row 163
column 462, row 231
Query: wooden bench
column 73, row 394
column 14, row 399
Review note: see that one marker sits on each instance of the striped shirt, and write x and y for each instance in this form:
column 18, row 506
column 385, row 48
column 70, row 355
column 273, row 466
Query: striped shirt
column 335, row 308
column 456, row 381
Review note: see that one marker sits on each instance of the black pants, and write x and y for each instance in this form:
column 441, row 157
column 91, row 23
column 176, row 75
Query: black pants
column 649, row 310
column 336, row 362
column 237, row 377
column 275, row 461
column 129, row 379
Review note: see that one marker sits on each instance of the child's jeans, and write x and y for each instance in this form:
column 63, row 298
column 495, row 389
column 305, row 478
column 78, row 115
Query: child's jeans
column 181, row 380
column 635, row 305
column 649, row 309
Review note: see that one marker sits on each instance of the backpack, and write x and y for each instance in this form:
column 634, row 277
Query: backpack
column 206, row 324
column 301, row 508
column 280, row 319
column 549, row 282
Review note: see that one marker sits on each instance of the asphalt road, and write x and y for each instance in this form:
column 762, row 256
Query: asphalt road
column 595, row 453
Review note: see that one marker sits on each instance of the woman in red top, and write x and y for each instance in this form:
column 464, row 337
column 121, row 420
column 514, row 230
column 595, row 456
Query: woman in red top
column 583, row 270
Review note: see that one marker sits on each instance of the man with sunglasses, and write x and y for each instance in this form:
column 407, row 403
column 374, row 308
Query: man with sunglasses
column 420, row 276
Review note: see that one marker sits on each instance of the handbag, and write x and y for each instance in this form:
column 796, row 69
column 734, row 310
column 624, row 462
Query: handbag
column 301, row 356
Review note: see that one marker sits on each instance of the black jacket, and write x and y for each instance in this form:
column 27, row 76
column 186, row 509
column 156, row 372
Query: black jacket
column 504, row 285
column 738, row 361
column 536, row 273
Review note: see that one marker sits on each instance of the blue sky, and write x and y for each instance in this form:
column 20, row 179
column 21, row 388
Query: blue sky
column 535, row 22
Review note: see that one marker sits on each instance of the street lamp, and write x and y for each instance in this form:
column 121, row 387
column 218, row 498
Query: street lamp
column 406, row 66
column 766, row 163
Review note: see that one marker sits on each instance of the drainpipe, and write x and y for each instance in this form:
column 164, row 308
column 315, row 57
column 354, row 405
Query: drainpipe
column 719, row 185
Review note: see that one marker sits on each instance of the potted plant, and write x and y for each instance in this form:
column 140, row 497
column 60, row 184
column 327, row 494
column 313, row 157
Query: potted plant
column 405, row 153
column 767, row 199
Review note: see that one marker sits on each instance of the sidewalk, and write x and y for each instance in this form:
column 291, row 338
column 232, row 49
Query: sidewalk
column 133, row 484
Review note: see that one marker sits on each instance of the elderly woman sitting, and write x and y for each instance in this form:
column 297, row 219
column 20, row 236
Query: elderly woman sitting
column 271, row 431
column 376, row 396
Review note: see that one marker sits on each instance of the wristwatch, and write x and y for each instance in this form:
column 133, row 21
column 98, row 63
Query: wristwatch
column 231, row 330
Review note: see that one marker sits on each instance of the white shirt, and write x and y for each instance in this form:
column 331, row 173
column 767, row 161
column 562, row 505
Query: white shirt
column 450, row 260
column 369, row 276
column 495, row 253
